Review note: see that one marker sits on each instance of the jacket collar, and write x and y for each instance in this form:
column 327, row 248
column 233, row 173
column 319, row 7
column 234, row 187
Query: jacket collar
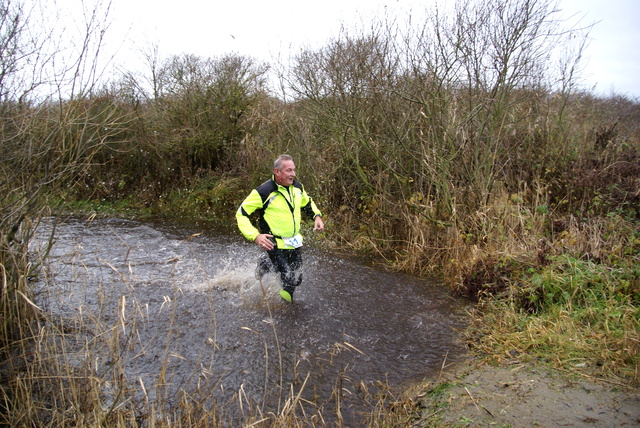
column 273, row 178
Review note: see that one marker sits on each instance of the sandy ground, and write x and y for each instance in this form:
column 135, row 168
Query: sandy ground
column 521, row 396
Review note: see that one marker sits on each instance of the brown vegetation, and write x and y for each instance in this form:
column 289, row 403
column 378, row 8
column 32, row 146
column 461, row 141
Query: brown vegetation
column 451, row 147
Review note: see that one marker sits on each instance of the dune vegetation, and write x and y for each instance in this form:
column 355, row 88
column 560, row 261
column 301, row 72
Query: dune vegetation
column 461, row 146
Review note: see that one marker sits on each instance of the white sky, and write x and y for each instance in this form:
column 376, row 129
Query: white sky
column 265, row 28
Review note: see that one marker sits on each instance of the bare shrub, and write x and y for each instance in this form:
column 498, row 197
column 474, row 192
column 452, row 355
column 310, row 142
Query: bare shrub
column 46, row 145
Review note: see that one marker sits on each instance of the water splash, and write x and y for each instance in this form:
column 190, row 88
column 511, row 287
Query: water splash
column 199, row 312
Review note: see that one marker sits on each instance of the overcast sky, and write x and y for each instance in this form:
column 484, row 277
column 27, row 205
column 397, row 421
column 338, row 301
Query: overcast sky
column 266, row 28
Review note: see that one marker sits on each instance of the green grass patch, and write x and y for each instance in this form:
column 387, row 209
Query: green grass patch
column 570, row 312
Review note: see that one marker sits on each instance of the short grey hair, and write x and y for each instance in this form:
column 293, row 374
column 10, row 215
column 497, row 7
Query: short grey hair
column 278, row 162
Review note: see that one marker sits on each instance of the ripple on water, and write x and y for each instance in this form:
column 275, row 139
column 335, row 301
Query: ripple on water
column 201, row 312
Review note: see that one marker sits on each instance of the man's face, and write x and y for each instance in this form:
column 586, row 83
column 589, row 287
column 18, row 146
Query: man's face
column 285, row 175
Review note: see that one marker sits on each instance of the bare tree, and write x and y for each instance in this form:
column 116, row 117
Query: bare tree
column 50, row 127
column 439, row 111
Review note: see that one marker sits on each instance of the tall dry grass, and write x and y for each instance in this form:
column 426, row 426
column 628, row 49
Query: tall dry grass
column 80, row 366
column 435, row 149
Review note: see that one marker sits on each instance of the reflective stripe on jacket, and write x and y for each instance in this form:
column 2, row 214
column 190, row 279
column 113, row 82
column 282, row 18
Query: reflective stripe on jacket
column 279, row 211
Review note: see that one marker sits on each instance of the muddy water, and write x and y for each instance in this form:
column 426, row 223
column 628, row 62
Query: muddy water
column 189, row 315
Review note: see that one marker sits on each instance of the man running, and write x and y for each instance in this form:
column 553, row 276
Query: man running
column 279, row 204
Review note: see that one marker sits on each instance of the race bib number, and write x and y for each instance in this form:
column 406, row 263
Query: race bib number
column 294, row 241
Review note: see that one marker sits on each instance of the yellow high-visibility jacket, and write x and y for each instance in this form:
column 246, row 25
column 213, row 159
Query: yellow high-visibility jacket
column 279, row 211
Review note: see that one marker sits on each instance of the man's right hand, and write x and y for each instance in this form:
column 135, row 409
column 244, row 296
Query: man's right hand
column 264, row 242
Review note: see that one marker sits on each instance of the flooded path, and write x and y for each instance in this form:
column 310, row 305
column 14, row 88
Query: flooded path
column 183, row 309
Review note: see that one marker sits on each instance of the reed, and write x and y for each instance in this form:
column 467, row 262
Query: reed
column 517, row 189
column 80, row 365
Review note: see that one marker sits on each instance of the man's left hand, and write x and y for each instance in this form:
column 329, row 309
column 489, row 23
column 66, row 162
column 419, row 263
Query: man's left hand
column 318, row 224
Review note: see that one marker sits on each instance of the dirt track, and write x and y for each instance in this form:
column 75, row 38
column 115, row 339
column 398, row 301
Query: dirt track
column 517, row 396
